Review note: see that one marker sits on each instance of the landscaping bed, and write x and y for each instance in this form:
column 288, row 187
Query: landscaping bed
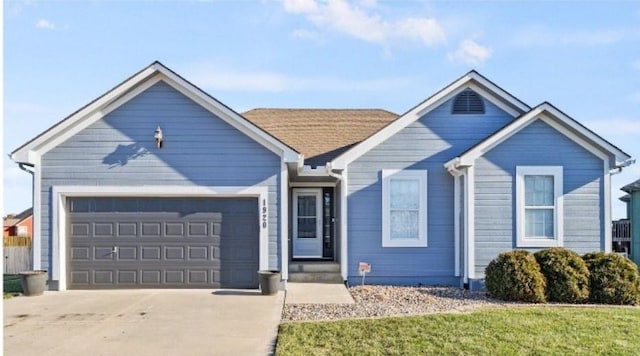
column 380, row 301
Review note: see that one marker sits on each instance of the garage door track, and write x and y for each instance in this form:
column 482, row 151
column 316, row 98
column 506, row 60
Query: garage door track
column 142, row 322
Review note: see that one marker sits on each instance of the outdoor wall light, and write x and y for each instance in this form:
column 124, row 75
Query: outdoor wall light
column 158, row 137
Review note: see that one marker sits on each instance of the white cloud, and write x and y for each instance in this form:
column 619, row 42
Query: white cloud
column 211, row 77
column 45, row 24
column 347, row 18
column 540, row 36
column 471, row 53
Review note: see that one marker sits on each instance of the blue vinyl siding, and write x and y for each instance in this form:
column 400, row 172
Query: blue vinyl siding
column 425, row 144
column 537, row 144
column 199, row 149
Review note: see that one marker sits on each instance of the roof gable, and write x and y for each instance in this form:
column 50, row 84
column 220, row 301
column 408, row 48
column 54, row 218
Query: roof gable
column 556, row 119
column 320, row 134
column 130, row 88
column 472, row 80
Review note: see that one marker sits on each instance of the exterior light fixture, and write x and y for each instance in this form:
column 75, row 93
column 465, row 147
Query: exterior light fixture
column 158, row 137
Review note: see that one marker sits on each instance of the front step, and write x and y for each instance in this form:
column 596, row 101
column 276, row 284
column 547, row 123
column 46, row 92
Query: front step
column 315, row 272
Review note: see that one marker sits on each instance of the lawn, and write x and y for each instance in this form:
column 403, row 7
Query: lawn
column 497, row 331
column 11, row 285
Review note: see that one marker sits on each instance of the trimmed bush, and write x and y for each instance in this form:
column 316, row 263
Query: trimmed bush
column 566, row 274
column 614, row 279
column 515, row 275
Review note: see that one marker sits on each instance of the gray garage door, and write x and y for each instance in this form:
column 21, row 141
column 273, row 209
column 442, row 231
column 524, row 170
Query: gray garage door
column 163, row 243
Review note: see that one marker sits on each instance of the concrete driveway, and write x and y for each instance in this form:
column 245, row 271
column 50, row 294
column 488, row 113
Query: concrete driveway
column 142, row 322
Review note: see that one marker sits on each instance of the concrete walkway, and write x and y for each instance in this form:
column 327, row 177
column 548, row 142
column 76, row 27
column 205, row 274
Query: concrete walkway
column 143, row 322
column 317, row 293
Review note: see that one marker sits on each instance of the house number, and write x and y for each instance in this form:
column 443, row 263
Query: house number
column 264, row 213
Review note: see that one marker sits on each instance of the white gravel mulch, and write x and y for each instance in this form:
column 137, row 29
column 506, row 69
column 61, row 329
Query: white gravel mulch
column 379, row 301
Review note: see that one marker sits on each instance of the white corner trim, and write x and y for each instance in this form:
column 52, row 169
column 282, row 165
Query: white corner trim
column 344, row 255
column 422, row 177
column 470, row 223
column 284, row 220
column 456, row 225
column 59, row 213
column 471, row 79
column 607, row 209
column 558, row 220
column 37, row 216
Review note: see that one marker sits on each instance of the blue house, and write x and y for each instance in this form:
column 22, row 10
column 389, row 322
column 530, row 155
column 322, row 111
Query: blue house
column 157, row 184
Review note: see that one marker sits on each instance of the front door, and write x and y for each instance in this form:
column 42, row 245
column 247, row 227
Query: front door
column 307, row 223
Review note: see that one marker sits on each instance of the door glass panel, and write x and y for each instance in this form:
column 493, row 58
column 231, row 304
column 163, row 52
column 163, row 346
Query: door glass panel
column 306, row 228
column 307, row 205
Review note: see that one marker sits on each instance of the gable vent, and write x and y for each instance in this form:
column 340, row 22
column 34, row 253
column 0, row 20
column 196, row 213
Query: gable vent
column 468, row 102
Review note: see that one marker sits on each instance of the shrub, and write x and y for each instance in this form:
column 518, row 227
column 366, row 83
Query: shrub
column 566, row 274
column 516, row 276
column 614, row 279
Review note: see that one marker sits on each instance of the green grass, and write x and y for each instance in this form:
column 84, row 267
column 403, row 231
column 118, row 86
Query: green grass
column 11, row 285
column 503, row 331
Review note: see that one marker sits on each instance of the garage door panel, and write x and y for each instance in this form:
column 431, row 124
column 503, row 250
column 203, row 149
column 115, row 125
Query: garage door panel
column 201, row 243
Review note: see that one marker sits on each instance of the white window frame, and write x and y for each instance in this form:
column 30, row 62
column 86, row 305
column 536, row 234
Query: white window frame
column 558, row 220
column 21, row 230
column 387, row 176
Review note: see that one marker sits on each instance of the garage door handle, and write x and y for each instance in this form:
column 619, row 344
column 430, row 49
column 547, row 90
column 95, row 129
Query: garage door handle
column 114, row 250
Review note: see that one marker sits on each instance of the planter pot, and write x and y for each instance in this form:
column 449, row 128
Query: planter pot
column 33, row 282
column 269, row 282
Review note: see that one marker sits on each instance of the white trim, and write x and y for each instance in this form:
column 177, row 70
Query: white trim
column 607, row 209
column 552, row 116
column 317, row 192
column 284, row 220
column 128, row 90
column 37, row 216
column 558, row 219
column 471, row 79
column 344, row 255
column 313, row 184
column 421, row 176
column 59, row 211
column 456, row 225
column 470, row 223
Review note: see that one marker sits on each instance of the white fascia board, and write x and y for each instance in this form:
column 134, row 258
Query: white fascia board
column 27, row 153
column 130, row 89
column 472, row 80
column 229, row 116
column 590, row 136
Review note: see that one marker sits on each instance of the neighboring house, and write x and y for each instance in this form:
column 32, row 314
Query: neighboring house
column 19, row 225
column 632, row 199
column 158, row 184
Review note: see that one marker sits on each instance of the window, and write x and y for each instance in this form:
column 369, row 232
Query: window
column 22, row 231
column 468, row 102
column 404, row 208
column 539, row 206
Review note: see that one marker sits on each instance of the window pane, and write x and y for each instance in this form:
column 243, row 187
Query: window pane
column 307, row 205
column 404, row 225
column 404, row 193
column 539, row 223
column 538, row 190
column 307, row 228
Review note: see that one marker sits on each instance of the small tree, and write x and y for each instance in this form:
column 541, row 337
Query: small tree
column 614, row 279
column 515, row 275
column 566, row 274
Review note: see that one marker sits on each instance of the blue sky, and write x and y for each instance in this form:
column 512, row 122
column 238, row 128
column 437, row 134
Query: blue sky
column 583, row 57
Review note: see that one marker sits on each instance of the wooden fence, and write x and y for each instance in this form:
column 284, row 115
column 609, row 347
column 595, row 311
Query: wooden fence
column 17, row 254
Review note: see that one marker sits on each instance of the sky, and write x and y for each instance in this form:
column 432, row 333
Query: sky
column 583, row 57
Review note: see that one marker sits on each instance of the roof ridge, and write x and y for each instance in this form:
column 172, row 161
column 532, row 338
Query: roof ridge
column 323, row 109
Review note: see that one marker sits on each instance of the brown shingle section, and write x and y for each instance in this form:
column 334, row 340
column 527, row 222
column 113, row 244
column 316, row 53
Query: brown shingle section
column 320, row 134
